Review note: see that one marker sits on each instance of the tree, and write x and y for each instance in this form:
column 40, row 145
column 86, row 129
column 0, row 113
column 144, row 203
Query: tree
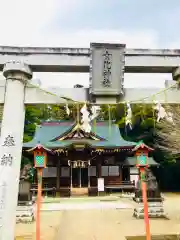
column 145, row 127
column 32, row 118
column 168, row 133
column 42, row 112
column 27, row 170
column 143, row 119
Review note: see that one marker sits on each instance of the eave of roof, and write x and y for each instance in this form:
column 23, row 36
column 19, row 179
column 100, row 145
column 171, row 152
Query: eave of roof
column 142, row 145
column 38, row 147
column 47, row 132
column 132, row 161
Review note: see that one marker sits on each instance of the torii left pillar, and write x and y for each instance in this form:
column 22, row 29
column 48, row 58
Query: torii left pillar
column 17, row 75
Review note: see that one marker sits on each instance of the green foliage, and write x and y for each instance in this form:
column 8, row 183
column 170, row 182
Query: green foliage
column 32, row 117
column 147, row 123
column 144, row 128
column 143, row 119
column 29, row 173
column 25, row 161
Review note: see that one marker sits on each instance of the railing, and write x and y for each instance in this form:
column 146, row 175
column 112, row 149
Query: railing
column 120, row 185
column 45, row 189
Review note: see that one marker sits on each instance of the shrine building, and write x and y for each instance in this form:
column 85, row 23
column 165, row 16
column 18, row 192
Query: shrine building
column 76, row 159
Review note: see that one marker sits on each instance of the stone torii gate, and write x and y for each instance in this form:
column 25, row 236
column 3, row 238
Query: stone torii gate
column 106, row 64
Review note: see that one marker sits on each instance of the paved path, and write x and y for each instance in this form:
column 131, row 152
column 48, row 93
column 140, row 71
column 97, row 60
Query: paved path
column 109, row 224
column 89, row 225
column 83, row 206
column 100, row 221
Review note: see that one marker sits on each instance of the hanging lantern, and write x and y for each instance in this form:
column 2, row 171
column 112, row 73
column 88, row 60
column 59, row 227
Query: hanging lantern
column 142, row 159
column 40, row 158
column 142, row 152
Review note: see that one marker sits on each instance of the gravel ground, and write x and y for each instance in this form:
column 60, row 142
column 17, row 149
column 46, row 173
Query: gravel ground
column 102, row 224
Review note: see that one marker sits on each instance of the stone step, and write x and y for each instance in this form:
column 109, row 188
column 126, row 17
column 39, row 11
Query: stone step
column 25, row 213
column 151, row 204
column 79, row 191
column 155, row 211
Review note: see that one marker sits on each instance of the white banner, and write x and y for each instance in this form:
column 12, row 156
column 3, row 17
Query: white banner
column 134, row 178
column 100, row 184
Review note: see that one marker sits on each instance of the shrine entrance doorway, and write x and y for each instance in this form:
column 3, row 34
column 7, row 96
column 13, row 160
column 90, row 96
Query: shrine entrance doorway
column 79, row 177
column 75, row 177
column 84, row 177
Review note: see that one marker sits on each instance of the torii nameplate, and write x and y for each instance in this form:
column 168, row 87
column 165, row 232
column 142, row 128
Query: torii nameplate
column 107, row 63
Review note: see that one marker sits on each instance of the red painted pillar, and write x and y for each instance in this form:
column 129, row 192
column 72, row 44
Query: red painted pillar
column 145, row 202
column 40, row 159
column 38, row 204
column 142, row 153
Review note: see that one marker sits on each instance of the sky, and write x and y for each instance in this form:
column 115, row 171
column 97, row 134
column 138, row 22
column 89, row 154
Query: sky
column 76, row 23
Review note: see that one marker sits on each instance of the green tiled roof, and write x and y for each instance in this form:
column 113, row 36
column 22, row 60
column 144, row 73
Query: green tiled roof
column 132, row 161
column 47, row 132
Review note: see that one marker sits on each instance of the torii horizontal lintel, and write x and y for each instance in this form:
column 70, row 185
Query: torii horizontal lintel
column 35, row 95
column 78, row 59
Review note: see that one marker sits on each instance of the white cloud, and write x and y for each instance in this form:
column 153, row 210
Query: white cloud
column 82, row 38
column 175, row 45
column 30, row 22
column 27, row 23
column 21, row 20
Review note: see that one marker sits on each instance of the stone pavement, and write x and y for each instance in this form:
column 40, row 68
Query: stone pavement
column 83, row 206
column 87, row 225
column 109, row 224
column 116, row 224
column 100, row 221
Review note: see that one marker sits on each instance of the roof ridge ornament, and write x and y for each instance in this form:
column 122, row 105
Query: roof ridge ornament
column 141, row 144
